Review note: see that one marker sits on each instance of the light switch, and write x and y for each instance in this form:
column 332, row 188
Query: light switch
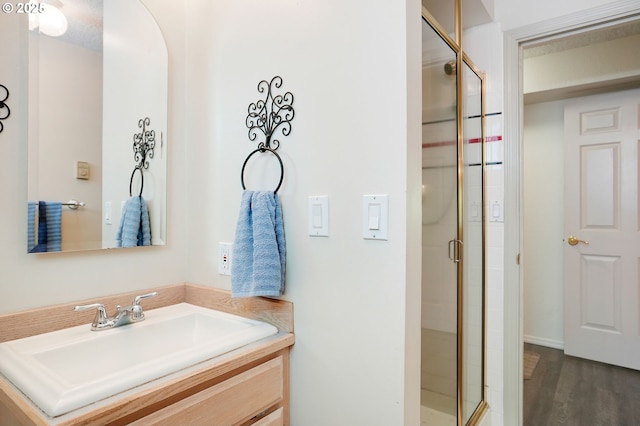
column 375, row 217
column 496, row 211
column 316, row 212
column 319, row 216
column 475, row 211
column 107, row 213
column 82, row 170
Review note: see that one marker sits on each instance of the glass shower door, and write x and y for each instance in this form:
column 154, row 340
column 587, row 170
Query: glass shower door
column 472, row 291
column 439, row 227
column 453, row 364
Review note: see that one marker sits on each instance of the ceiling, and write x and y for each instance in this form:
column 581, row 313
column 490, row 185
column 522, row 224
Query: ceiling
column 85, row 21
column 582, row 39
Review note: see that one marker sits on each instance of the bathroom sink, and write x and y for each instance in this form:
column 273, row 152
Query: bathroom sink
column 68, row 369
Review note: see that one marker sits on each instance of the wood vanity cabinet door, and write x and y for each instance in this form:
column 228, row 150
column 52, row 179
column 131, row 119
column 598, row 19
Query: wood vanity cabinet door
column 231, row 402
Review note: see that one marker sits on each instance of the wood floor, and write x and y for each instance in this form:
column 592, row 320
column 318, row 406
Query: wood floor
column 565, row 390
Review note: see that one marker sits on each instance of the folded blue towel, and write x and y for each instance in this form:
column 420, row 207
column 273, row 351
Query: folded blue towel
column 134, row 229
column 259, row 248
column 54, row 226
column 31, row 225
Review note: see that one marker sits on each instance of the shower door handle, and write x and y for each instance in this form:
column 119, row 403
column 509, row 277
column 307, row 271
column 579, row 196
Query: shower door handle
column 454, row 250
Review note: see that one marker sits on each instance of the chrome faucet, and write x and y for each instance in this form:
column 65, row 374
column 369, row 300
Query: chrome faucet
column 125, row 315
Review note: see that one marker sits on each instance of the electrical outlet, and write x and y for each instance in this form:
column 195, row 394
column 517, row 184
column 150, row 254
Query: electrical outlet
column 224, row 258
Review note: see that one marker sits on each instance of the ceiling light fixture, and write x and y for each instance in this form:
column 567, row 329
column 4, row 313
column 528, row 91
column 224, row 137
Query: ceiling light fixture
column 51, row 21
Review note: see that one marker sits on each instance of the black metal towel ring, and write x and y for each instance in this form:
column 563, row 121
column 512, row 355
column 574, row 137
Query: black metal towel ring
column 3, row 106
column 143, row 144
column 263, row 150
column 268, row 115
column 141, row 181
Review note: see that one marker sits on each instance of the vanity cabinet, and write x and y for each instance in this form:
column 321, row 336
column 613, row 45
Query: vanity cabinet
column 253, row 397
column 247, row 386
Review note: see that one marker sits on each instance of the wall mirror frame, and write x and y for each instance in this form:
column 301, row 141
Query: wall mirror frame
column 454, row 222
column 97, row 126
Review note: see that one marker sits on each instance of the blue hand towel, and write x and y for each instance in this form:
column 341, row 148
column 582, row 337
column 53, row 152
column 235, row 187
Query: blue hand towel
column 134, row 229
column 54, row 226
column 31, row 225
column 258, row 266
column 144, row 234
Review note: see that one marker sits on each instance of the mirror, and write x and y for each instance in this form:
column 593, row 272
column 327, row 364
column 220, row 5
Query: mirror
column 97, row 126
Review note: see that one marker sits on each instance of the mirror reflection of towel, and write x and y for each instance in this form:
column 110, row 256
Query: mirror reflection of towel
column 134, row 229
column 49, row 227
column 258, row 264
column 31, row 225
column 54, row 226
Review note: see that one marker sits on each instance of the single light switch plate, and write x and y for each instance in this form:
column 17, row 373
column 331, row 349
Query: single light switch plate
column 319, row 216
column 82, row 170
column 496, row 211
column 475, row 211
column 375, row 217
column 107, row 213
column 224, row 258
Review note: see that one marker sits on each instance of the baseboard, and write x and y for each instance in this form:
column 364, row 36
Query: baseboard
column 541, row 341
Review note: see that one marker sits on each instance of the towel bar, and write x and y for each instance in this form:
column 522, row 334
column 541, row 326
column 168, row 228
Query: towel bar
column 74, row 204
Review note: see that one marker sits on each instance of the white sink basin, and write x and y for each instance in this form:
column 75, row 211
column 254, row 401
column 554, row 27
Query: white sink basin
column 67, row 369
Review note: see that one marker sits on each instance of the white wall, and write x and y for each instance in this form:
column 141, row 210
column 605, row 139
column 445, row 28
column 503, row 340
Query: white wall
column 346, row 64
column 514, row 14
column 37, row 280
column 543, row 177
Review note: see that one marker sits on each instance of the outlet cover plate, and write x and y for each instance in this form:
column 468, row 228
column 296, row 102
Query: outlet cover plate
column 224, row 258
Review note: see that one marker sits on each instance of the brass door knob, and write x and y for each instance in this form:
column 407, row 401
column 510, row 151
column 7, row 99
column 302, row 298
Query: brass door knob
column 573, row 241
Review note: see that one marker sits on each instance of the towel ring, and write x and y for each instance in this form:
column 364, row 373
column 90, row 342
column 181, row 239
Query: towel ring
column 141, row 181
column 263, row 149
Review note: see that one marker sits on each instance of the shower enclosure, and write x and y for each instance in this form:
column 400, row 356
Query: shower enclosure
column 453, row 361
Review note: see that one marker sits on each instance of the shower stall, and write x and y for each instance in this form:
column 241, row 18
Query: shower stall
column 453, row 328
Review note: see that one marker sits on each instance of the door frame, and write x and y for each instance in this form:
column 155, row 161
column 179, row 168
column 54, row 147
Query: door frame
column 513, row 42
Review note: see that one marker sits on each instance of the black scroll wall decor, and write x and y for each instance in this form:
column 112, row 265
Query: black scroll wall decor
column 5, row 112
column 267, row 116
column 143, row 145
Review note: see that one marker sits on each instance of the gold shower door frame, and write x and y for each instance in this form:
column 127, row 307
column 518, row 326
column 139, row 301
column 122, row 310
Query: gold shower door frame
column 461, row 60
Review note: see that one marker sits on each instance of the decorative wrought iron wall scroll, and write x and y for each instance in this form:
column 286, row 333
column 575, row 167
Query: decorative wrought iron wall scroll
column 5, row 112
column 143, row 145
column 267, row 116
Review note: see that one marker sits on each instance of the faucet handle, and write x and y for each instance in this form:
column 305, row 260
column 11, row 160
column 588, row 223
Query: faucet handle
column 136, row 310
column 101, row 317
column 137, row 299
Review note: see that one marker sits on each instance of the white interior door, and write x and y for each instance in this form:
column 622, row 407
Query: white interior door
column 602, row 260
